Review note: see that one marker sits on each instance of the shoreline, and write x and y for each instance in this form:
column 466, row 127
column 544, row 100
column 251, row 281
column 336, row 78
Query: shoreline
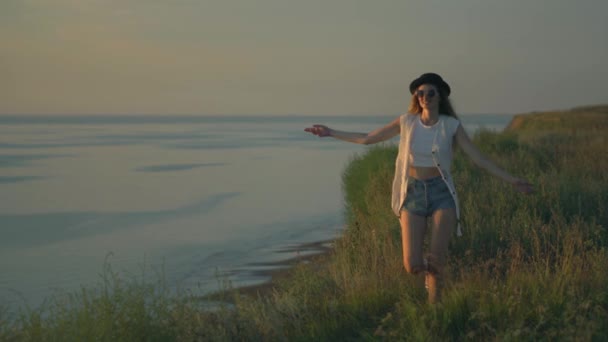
column 307, row 253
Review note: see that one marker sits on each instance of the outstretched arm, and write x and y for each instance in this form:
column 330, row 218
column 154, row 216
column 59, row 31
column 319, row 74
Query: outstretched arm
column 478, row 158
column 378, row 135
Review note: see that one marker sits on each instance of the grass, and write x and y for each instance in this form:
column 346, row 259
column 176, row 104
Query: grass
column 527, row 268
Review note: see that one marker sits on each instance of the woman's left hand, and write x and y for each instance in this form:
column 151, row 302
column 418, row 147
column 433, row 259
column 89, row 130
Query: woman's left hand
column 523, row 185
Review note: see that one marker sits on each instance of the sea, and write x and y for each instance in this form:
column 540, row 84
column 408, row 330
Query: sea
column 199, row 201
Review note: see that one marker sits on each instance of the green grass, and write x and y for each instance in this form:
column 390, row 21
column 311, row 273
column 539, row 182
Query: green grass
column 529, row 267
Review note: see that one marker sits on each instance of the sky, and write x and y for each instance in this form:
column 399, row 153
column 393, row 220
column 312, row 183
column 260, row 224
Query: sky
column 307, row 57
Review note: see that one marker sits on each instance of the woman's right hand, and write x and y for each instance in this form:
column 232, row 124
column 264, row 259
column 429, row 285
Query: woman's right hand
column 319, row 130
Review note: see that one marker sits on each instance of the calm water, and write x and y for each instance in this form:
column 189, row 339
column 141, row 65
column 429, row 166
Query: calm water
column 195, row 196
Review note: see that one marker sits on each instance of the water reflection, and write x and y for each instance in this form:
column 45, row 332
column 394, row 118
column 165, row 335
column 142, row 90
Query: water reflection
column 18, row 160
column 47, row 228
column 18, row 179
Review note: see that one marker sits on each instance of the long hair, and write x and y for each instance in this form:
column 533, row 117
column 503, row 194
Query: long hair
column 445, row 106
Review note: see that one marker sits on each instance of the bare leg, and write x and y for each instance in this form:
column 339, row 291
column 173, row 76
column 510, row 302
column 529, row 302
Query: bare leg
column 444, row 222
column 413, row 228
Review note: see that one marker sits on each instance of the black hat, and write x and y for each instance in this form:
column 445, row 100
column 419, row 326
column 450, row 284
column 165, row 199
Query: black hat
column 430, row 78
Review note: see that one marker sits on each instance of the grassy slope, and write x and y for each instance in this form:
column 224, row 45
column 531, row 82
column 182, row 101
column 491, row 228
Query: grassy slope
column 528, row 267
column 581, row 118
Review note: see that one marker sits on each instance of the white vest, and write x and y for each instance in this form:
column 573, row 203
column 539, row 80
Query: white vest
column 441, row 153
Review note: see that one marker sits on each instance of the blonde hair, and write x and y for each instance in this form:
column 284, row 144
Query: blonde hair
column 445, row 106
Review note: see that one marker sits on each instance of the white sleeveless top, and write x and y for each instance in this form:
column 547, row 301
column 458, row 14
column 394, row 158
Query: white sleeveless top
column 422, row 144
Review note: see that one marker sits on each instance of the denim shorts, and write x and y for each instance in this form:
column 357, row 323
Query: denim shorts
column 425, row 196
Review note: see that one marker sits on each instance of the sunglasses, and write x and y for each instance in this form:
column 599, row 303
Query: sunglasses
column 430, row 94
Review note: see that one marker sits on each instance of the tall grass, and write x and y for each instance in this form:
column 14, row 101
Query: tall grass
column 528, row 267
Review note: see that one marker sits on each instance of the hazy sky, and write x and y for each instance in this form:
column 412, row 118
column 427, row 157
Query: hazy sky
column 298, row 57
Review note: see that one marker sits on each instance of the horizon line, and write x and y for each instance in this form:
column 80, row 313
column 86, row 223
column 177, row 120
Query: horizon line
column 221, row 115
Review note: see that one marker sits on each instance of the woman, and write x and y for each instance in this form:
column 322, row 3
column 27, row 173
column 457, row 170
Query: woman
column 423, row 186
